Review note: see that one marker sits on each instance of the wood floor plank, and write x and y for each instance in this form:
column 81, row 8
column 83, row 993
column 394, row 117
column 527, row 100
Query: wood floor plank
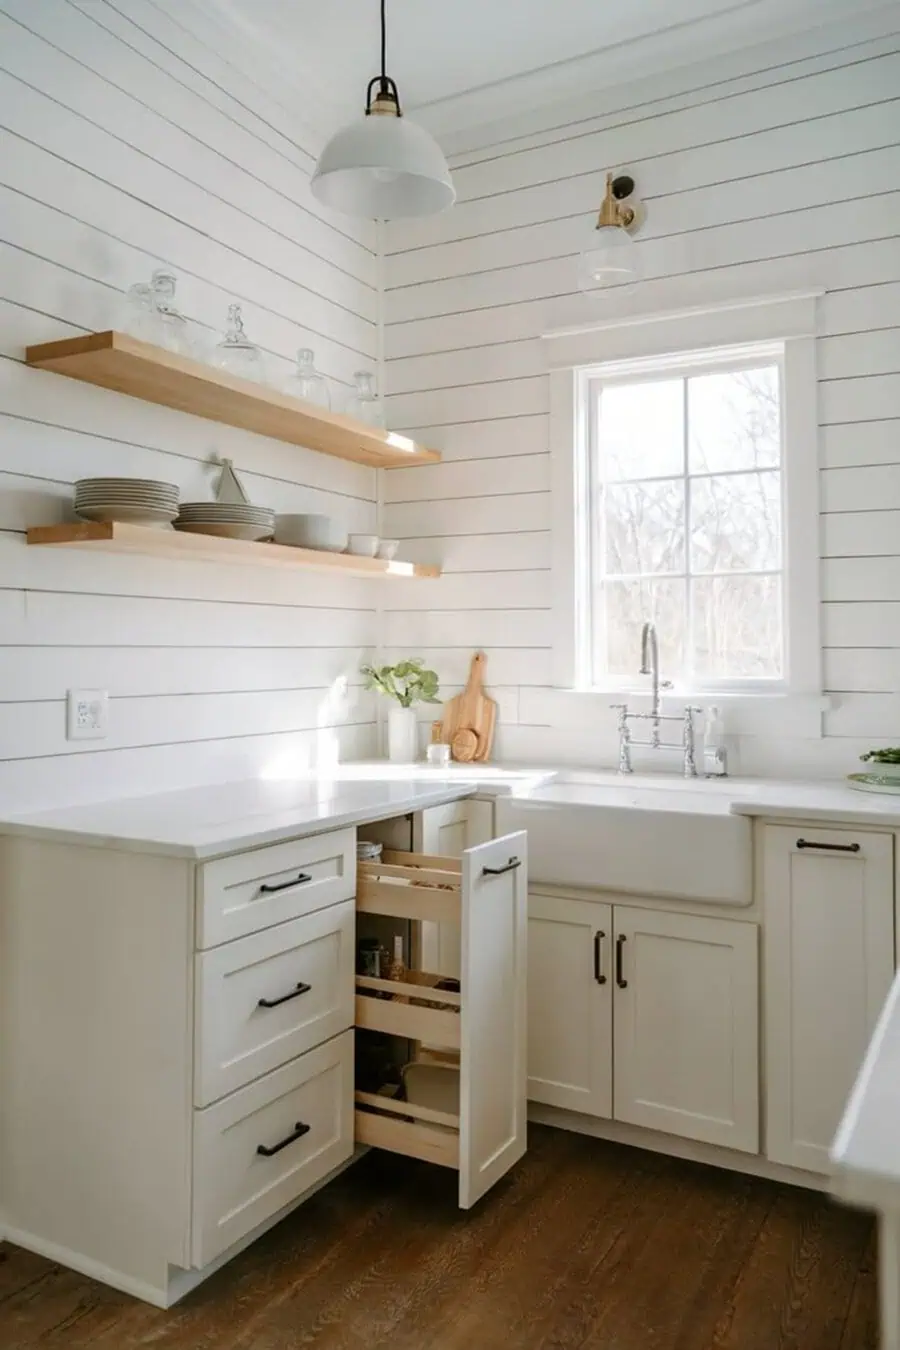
column 584, row 1246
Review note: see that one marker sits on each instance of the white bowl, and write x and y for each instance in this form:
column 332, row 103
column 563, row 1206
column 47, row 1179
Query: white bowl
column 363, row 545
column 311, row 531
column 387, row 549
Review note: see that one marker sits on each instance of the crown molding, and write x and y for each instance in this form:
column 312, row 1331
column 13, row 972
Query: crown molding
column 639, row 70
column 662, row 64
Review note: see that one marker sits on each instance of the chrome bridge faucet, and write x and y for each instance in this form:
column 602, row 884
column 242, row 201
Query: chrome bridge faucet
column 688, row 747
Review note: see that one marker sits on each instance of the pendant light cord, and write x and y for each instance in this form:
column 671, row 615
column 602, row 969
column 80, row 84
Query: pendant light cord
column 383, row 44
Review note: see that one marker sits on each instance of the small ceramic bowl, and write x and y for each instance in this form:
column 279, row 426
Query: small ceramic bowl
column 387, row 549
column 363, row 545
column 310, row 531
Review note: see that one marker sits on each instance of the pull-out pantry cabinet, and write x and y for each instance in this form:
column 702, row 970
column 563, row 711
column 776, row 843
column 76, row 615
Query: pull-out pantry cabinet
column 177, row 1039
column 480, row 1029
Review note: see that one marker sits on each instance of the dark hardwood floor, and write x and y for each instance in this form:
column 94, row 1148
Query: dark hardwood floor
column 586, row 1244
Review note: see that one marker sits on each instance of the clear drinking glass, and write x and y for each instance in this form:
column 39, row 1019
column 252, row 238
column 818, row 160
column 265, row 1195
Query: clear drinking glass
column 305, row 381
column 363, row 402
column 236, row 353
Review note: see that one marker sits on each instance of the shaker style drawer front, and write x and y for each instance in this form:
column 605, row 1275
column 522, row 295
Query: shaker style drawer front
column 269, row 997
column 251, row 891
column 262, row 1147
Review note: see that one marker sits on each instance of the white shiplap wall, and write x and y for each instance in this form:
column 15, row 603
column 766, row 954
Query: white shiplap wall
column 128, row 140
column 784, row 175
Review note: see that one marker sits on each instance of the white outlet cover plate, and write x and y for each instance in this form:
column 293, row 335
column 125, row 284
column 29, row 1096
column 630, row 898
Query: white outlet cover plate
column 87, row 715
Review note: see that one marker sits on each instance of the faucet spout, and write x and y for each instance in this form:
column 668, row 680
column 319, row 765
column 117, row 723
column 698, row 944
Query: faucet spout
column 650, row 666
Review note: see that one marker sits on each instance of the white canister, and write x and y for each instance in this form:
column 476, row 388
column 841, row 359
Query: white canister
column 402, row 735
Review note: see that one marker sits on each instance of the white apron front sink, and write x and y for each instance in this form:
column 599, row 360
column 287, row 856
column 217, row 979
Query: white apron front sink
column 673, row 838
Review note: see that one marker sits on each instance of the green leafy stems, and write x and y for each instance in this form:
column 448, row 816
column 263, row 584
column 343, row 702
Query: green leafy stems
column 891, row 755
column 408, row 682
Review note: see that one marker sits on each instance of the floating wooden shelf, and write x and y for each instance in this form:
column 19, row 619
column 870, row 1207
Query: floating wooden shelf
column 118, row 538
column 117, row 361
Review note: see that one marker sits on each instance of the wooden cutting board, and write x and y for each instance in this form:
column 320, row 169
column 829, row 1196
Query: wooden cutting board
column 470, row 717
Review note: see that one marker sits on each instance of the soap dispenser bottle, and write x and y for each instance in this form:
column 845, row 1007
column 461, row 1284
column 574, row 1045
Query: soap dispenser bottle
column 715, row 755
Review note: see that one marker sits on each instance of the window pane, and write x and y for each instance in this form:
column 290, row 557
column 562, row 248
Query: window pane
column 734, row 420
column 641, row 430
column 645, row 527
column 629, row 604
column 736, row 523
column 737, row 627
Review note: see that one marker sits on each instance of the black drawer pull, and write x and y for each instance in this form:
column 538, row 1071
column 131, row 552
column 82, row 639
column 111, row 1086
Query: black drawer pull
column 285, row 998
column 296, row 1133
column 498, row 871
column 298, row 880
column 598, row 958
column 620, row 977
column 832, row 848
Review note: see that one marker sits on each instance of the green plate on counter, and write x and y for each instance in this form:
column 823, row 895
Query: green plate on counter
column 873, row 782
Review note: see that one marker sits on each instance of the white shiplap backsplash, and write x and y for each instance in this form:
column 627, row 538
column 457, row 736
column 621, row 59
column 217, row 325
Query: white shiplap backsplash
column 783, row 178
column 127, row 141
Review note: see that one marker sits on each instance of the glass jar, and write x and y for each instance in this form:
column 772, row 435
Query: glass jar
column 363, row 402
column 306, row 383
column 169, row 327
column 236, row 353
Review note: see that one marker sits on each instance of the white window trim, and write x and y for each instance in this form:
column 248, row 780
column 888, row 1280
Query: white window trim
column 672, row 339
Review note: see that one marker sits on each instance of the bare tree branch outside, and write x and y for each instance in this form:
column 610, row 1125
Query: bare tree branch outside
column 687, row 524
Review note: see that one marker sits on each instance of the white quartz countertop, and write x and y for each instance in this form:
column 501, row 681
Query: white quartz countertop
column 203, row 822
column 866, row 1153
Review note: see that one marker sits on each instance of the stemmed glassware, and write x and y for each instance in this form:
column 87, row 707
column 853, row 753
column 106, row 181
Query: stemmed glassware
column 236, row 353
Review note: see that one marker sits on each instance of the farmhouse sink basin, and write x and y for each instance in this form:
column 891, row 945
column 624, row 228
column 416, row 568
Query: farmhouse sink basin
column 638, row 835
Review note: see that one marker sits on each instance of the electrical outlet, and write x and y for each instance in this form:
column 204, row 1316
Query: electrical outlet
column 87, row 715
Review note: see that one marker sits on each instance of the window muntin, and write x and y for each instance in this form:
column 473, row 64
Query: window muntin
column 685, row 523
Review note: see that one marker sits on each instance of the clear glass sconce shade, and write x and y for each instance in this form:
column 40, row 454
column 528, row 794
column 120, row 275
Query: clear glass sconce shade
column 611, row 262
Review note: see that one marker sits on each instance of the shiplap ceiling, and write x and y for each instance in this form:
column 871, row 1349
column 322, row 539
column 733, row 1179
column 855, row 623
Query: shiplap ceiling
column 470, row 61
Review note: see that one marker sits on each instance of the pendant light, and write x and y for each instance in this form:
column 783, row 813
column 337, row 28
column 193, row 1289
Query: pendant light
column 611, row 261
column 383, row 166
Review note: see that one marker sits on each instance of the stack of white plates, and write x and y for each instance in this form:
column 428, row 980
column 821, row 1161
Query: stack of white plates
column 137, row 501
column 227, row 520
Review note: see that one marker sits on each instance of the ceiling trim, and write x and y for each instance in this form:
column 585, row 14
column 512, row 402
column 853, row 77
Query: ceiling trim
column 567, row 91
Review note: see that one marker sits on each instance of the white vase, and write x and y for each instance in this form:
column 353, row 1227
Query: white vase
column 402, row 737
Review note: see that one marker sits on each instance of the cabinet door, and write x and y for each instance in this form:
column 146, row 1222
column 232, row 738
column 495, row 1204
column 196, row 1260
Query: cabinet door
column 828, row 899
column 492, row 1098
column 570, row 1004
column 686, row 1005
column 447, row 831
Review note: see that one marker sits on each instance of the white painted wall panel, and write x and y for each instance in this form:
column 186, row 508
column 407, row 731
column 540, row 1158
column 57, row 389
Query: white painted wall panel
column 126, row 142
column 783, row 179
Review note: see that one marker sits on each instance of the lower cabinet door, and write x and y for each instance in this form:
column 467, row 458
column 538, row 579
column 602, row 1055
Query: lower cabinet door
column 262, row 1147
column 686, row 1040
column 570, row 986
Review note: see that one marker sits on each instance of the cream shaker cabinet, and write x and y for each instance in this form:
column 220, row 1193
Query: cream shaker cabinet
column 570, row 1004
column 646, row 1016
column 177, row 1038
column 829, row 962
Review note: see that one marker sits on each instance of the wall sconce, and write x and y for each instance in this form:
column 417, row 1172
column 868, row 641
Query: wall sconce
column 611, row 261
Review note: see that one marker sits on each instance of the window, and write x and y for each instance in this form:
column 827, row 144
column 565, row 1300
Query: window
column 684, row 490
column 684, row 518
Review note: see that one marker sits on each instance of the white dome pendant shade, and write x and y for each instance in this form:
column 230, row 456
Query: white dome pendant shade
column 383, row 166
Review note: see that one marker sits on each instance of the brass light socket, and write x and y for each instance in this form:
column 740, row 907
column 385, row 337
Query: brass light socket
column 613, row 211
